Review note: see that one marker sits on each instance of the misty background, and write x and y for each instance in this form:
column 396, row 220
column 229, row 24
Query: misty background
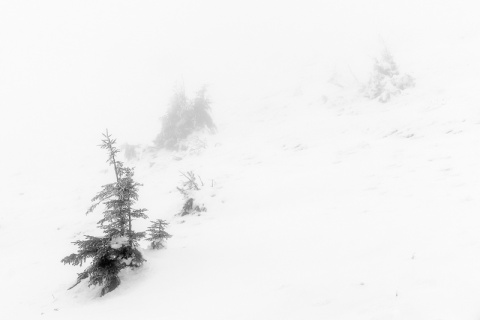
column 71, row 69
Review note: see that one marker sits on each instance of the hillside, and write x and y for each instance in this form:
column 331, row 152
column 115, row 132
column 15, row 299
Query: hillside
column 365, row 210
column 321, row 204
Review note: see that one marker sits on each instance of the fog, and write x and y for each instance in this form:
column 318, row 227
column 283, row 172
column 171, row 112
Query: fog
column 70, row 69
column 316, row 209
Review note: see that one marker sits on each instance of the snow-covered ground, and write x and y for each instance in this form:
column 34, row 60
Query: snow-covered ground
column 321, row 204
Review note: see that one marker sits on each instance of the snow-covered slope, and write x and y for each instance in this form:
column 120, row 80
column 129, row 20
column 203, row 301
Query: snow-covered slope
column 362, row 211
column 321, row 204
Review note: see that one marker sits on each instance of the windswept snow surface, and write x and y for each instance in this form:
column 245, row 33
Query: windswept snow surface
column 365, row 211
column 321, row 204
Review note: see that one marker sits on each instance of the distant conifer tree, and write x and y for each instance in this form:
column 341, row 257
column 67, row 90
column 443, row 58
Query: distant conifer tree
column 157, row 234
column 184, row 117
column 118, row 248
column 386, row 80
column 201, row 111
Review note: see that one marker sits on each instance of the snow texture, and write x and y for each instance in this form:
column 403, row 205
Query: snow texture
column 321, row 203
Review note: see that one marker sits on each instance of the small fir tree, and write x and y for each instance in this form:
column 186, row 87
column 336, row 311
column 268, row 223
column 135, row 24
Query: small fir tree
column 118, row 248
column 157, row 234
